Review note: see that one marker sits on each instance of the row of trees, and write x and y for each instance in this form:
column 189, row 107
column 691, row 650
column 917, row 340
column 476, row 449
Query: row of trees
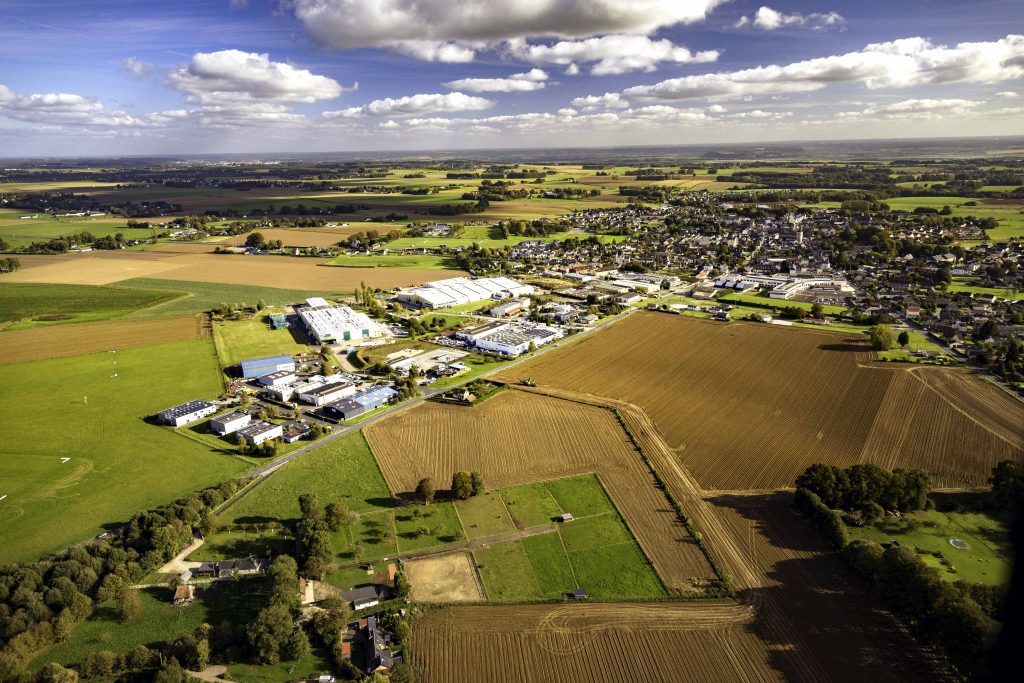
column 464, row 486
column 861, row 486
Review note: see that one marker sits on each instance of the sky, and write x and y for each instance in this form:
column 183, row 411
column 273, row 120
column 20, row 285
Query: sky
column 149, row 77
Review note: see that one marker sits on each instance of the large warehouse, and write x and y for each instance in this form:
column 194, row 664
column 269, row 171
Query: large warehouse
column 328, row 324
column 258, row 367
column 462, row 290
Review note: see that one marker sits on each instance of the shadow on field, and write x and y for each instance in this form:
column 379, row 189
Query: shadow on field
column 818, row 620
column 846, row 346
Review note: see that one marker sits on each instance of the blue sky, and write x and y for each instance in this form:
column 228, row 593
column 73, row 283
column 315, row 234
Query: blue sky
column 101, row 77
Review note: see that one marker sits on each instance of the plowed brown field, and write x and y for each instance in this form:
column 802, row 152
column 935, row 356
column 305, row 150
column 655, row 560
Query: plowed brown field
column 517, row 438
column 750, row 406
column 610, row 642
column 37, row 343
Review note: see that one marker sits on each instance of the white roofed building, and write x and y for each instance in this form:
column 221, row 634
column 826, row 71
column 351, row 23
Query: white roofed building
column 329, row 324
column 462, row 290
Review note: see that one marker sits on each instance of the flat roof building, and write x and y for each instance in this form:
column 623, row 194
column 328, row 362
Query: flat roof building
column 187, row 412
column 325, row 393
column 363, row 402
column 515, row 342
column 257, row 367
column 328, row 324
column 259, row 431
column 229, row 423
column 278, row 379
column 462, row 290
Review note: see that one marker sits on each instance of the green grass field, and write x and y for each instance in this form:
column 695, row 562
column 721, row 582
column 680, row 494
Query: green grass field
column 341, row 470
column 199, row 297
column 393, row 261
column 34, row 304
column 240, row 339
column 531, row 505
column 962, row 284
column 918, row 342
column 319, row 661
column 1009, row 214
column 160, row 622
column 764, row 301
column 484, row 515
column 987, row 560
column 551, row 567
column 581, row 496
column 90, row 409
column 20, row 232
column 506, row 572
column 439, row 518
column 228, row 545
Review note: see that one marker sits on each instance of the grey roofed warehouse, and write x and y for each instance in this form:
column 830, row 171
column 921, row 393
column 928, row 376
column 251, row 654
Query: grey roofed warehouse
column 187, row 412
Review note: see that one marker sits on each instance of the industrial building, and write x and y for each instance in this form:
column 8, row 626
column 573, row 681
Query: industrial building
column 363, row 402
column 259, row 431
column 328, row 324
column 326, row 393
column 277, row 379
column 511, row 308
column 187, row 412
column 513, row 342
column 257, row 367
column 462, row 290
column 817, row 285
column 471, row 334
column 228, row 423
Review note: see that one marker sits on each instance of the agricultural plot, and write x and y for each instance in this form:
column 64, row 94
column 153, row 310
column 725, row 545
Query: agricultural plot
column 38, row 343
column 31, row 305
column 99, row 268
column 435, row 440
column 90, row 410
column 605, row 643
column 749, row 406
column 446, row 579
column 199, row 297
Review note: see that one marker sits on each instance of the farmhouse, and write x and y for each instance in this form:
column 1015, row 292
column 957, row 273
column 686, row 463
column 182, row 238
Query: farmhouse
column 184, row 595
column 363, row 402
column 257, row 367
column 228, row 423
column 326, row 393
column 259, row 431
column 365, row 596
column 378, row 654
column 277, row 379
column 225, row 569
column 187, row 412
column 328, row 324
column 461, row 290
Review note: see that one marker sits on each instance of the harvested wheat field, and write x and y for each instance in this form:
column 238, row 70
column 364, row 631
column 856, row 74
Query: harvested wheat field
column 38, row 343
column 519, row 437
column 705, row 641
column 444, row 578
column 101, row 268
column 750, row 406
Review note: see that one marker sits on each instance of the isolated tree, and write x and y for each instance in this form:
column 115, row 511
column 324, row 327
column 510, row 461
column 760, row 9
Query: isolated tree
column 269, row 632
column 255, row 239
column 462, row 485
column 130, row 608
column 817, row 311
column 477, row 483
column 308, row 506
column 881, row 337
column 904, row 338
column 337, row 516
column 425, row 491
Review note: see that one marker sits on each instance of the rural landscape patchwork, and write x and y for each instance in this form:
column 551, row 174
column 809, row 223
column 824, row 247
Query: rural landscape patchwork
column 712, row 378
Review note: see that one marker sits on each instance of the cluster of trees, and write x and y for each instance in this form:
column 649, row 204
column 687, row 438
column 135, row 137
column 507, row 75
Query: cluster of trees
column 53, row 202
column 866, row 487
column 496, row 191
column 645, row 193
column 570, row 193
column 314, row 533
column 537, row 228
column 827, row 521
column 267, row 449
column 256, row 240
column 272, row 634
column 59, row 245
column 408, row 387
column 43, row 601
column 458, row 209
column 9, row 265
column 464, row 486
column 882, row 338
column 421, row 326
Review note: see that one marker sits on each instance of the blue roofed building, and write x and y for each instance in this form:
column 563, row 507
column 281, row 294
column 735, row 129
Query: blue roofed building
column 363, row 402
column 257, row 367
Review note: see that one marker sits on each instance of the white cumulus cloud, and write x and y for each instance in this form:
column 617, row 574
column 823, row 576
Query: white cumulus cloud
column 135, row 67
column 897, row 64
column 414, row 105
column 1007, row 94
column 613, row 54
column 522, row 82
column 451, row 30
column 768, row 19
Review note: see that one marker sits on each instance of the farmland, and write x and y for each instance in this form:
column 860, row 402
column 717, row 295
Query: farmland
column 90, row 410
column 42, row 304
column 238, row 340
column 606, row 642
column 38, row 343
column 750, row 406
column 198, row 297
column 435, row 440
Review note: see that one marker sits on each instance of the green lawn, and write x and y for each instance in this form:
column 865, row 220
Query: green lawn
column 987, row 560
column 594, row 532
column 484, row 515
column 374, row 534
column 46, row 304
column 616, row 571
column 962, row 284
column 506, row 572
column 531, row 505
column 160, row 622
column 440, row 518
column 227, row 545
column 91, row 409
column 918, row 342
column 341, row 470
column 1009, row 215
column 319, row 661
column 21, row 233
column 199, row 297
column 238, row 340
column 764, row 301
column 478, row 365
column 550, row 564
column 354, row 577
column 580, row 496
column 393, row 261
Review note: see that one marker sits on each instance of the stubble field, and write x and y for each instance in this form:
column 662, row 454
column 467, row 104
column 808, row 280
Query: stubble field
column 749, row 406
column 518, row 438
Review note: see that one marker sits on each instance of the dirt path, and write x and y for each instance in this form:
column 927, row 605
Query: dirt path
column 178, row 564
column 211, row 673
